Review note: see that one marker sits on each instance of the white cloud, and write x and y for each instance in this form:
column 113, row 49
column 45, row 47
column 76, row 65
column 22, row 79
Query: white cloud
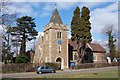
column 89, row 4
column 101, row 17
column 47, row 10
column 23, row 9
column 49, row 7
column 66, row 5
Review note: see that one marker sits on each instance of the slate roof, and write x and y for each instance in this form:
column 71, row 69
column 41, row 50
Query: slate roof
column 56, row 17
column 93, row 46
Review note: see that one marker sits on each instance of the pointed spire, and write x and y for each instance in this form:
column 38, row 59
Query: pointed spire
column 56, row 17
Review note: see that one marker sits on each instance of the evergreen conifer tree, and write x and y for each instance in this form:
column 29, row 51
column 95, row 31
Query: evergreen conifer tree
column 80, row 30
column 25, row 29
column 75, row 29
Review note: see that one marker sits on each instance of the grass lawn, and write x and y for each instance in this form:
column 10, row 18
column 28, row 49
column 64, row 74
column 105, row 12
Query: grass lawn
column 102, row 74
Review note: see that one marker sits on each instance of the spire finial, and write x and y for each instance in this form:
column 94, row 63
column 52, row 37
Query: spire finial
column 55, row 5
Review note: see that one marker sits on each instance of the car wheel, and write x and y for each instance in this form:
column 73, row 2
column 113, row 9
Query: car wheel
column 37, row 72
column 40, row 72
column 53, row 71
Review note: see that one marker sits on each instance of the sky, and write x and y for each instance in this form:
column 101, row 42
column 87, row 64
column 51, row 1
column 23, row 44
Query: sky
column 102, row 13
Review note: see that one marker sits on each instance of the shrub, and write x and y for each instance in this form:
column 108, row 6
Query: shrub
column 22, row 59
column 53, row 65
column 25, row 67
column 13, row 68
column 96, row 65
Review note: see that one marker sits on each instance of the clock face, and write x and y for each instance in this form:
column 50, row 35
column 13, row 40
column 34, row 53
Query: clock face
column 59, row 42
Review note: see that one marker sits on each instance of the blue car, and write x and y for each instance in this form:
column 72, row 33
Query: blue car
column 45, row 69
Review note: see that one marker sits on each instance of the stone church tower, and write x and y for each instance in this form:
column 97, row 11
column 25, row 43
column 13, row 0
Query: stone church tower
column 53, row 46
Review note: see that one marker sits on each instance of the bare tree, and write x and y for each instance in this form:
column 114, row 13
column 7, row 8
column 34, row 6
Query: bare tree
column 109, row 30
column 6, row 21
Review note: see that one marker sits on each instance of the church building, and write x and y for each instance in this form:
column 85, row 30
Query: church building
column 53, row 46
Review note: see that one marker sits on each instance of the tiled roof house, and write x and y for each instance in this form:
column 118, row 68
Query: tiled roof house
column 96, row 53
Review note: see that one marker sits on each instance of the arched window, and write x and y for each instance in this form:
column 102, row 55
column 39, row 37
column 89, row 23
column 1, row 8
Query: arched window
column 59, row 35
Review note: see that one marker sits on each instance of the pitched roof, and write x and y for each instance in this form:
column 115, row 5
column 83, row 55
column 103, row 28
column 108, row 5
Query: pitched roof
column 56, row 17
column 93, row 46
column 96, row 47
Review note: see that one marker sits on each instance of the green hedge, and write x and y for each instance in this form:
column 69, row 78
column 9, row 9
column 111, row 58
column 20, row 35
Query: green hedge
column 25, row 67
column 14, row 68
column 96, row 65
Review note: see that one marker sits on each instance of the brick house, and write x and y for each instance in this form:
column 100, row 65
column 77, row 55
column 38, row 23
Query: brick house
column 94, row 53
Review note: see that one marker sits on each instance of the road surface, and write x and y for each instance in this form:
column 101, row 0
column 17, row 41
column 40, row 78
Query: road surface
column 67, row 71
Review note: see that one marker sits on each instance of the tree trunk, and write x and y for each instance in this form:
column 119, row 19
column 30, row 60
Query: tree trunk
column 78, row 61
column 8, row 39
column 23, row 45
column 81, row 52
